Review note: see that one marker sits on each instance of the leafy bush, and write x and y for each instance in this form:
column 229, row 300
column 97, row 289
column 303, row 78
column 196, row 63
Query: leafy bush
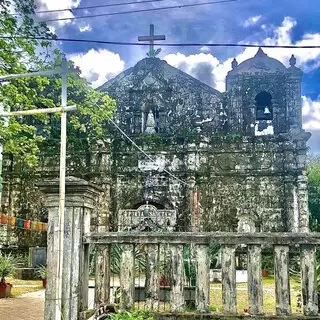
column 8, row 265
column 135, row 315
column 115, row 257
column 42, row 272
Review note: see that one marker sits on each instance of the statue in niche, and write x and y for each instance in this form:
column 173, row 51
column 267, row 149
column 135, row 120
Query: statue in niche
column 150, row 117
column 246, row 224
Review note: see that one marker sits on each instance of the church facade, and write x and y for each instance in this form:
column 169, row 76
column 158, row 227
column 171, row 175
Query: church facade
column 232, row 161
column 240, row 153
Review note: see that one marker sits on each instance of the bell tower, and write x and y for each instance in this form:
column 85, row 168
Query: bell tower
column 264, row 96
column 264, row 99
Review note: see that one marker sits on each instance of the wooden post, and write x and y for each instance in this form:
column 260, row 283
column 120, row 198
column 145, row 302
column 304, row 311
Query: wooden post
column 52, row 205
column 80, row 200
column 102, row 277
column 84, row 280
column 255, row 291
column 177, row 275
column 309, row 280
column 84, row 263
column 152, row 277
column 127, row 276
column 202, row 277
column 282, row 280
column 229, row 293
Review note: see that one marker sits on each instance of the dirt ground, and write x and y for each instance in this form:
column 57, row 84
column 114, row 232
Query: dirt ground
column 29, row 306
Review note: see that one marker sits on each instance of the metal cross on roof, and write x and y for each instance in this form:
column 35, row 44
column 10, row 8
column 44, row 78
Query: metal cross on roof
column 151, row 38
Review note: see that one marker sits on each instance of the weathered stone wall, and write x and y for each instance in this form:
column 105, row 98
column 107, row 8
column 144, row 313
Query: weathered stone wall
column 234, row 174
column 181, row 102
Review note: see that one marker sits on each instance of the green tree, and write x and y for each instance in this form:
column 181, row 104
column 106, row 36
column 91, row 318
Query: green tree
column 23, row 137
column 314, row 193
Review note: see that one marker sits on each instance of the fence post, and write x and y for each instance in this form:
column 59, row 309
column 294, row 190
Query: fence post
column 102, row 275
column 282, row 280
column 255, row 291
column 228, row 266
column 127, row 276
column 202, row 278
column 309, row 280
column 84, row 284
column 177, row 301
column 80, row 200
column 152, row 277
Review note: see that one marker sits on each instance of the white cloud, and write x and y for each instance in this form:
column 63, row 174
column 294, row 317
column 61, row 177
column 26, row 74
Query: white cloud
column 306, row 58
column 311, row 113
column 203, row 66
column 85, row 28
column 205, row 49
column 311, row 122
column 43, row 5
column 98, row 66
column 251, row 21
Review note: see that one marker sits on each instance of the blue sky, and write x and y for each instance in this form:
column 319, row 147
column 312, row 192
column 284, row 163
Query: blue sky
column 244, row 21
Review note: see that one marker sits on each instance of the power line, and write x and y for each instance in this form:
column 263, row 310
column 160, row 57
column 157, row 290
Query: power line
column 141, row 10
column 100, row 6
column 240, row 45
column 144, row 153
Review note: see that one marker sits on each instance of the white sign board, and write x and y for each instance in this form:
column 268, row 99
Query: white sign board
column 148, row 165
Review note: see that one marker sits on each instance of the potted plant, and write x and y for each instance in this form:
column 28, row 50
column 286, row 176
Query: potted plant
column 42, row 273
column 8, row 265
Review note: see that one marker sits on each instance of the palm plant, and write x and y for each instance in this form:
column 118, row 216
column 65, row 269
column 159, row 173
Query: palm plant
column 115, row 258
column 189, row 266
column 8, row 265
column 42, row 272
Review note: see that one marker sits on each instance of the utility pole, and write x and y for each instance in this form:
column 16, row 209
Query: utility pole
column 63, row 109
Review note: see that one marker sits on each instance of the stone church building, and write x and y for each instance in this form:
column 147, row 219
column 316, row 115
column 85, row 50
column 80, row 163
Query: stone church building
column 221, row 161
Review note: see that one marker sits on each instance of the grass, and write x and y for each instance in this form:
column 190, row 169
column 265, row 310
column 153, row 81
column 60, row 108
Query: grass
column 24, row 282
column 269, row 302
column 24, row 286
column 17, row 291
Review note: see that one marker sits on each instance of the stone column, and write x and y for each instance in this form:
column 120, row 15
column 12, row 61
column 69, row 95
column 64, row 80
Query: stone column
column 80, row 201
column 302, row 197
column 291, row 204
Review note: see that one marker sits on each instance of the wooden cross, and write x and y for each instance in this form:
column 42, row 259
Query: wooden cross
column 151, row 38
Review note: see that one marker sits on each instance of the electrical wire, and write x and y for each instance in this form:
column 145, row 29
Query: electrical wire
column 99, row 6
column 242, row 45
column 144, row 153
column 141, row 10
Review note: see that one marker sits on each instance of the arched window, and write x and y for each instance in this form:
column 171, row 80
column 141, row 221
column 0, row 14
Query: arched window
column 264, row 106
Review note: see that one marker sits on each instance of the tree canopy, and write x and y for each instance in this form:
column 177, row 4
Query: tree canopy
column 23, row 136
column 314, row 193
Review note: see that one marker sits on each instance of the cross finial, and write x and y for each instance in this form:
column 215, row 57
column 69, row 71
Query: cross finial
column 151, row 38
column 234, row 63
column 293, row 61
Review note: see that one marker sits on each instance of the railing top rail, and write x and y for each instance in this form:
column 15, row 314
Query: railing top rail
column 226, row 238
